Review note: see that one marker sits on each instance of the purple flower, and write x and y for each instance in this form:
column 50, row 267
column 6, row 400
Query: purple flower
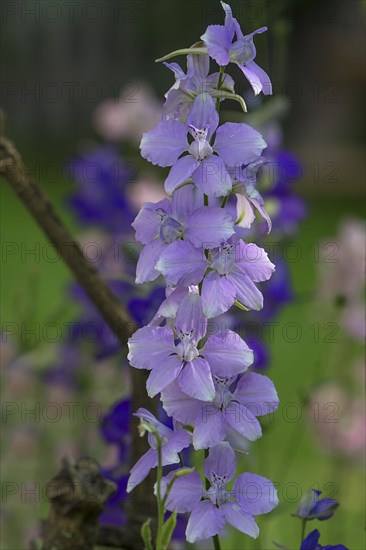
column 231, row 415
column 224, row 49
column 236, row 267
column 179, row 356
column 312, row 543
column 158, row 225
column 235, row 144
column 210, row 509
column 188, row 86
column 311, row 507
column 172, row 443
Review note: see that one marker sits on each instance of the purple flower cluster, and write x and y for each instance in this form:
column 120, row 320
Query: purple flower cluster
column 195, row 241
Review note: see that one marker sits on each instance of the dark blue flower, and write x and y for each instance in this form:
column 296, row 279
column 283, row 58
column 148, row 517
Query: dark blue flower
column 285, row 208
column 311, row 507
column 116, row 423
column 312, row 543
column 100, row 197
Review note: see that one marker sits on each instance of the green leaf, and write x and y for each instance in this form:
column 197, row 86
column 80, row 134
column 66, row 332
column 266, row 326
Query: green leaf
column 241, row 306
column 168, row 529
column 146, row 534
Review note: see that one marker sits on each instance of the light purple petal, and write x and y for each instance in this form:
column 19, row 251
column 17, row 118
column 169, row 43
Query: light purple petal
column 255, row 494
column 179, row 405
column 258, row 78
column 165, row 143
column 146, row 415
column 185, row 493
column 210, row 427
column 263, row 212
column 238, row 143
column 198, row 65
column 239, row 519
column 149, row 255
column 254, row 261
column 257, row 393
column 220, row 461
column 178, row 73
column 208, row 227
column 177, row 441
column 246, row 291
column 190, row 316
column 218, row 38
column 169, row 307
column 240, row 419
column 238, row 442
column 196, row 380
column 147, row 221
column 203, row 114
column 212, row 178
column 218, row 294
column 227, row 354
column 149, row 346
column 182, row 264
column 163, row 374
column 142, row 468
column 185, row 200
column 205, row 521
column 180, row 172
column 227, row 84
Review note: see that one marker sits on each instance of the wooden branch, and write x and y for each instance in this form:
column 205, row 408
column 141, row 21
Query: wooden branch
column 142, row 503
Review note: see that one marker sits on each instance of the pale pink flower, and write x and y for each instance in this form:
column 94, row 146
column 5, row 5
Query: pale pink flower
column 130, row 116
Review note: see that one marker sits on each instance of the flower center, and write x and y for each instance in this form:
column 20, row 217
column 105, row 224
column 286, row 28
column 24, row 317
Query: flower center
column 169, row 230
column 200, row 147
column 224, row 259
column 187, row 349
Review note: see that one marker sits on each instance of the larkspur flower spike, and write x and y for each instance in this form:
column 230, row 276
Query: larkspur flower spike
column 193, row 240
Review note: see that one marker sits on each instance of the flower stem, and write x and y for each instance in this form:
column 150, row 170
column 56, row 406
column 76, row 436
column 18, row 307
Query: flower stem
column 159, row 499
column 303, row 528
column 216, row 541
column 219, row 84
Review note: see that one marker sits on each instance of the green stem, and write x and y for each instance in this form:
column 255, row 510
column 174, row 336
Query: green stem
column 219, row 84
column 303, row 528
column 224, row 201
column 205, row 200
column 159, row 499
column 181, row 459
column 216, row 541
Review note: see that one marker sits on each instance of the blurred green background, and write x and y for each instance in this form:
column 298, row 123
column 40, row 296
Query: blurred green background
column 314, row 54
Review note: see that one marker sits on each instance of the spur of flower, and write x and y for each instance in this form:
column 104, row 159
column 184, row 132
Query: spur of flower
column 227, row 44
column 184, row 217
column 205, row 162
column 172, row 443
column 210, row 509
column 232, row 414
column 178, row 355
